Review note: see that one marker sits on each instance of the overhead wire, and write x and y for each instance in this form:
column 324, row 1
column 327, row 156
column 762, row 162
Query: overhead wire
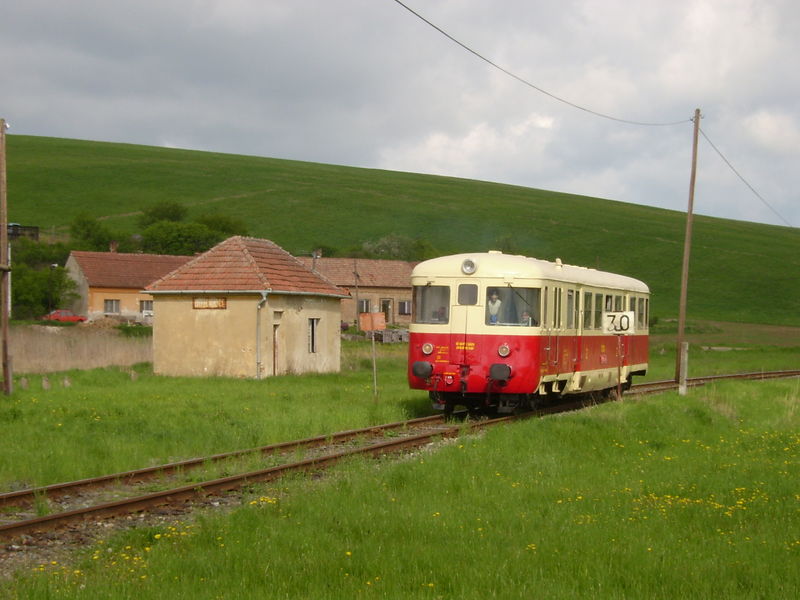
column 531, row 85
column 585, row 109
column 743, row 180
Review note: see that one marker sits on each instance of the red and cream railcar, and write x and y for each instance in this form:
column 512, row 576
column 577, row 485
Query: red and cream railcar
column 490, row 330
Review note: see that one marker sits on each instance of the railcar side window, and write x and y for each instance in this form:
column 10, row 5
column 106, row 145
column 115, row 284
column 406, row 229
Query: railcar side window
column 642, row 315
column 587, row 310
column 598, row 311
column 558, row 294
column 467, row 294
column 431, row 304
column 571, row 309
column 513, row 306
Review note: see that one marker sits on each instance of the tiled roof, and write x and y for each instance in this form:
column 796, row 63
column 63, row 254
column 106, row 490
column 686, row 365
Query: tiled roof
column 371, row 272
column 119, row 270
column 242, row 264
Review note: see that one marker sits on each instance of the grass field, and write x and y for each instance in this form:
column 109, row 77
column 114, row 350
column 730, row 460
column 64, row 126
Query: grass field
column 690, row 497
column 734, row 264
column 667, row 496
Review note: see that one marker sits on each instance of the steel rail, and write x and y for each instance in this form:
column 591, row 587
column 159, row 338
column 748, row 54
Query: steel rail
column 218, row 486
column 56, row 490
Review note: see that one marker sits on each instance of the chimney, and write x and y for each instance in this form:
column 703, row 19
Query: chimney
column 314, row 256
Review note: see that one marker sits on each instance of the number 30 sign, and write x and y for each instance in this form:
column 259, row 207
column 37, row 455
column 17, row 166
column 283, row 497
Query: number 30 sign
column 618, row 323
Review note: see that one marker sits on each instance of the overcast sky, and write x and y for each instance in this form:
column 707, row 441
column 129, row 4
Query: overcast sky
column 367, row 83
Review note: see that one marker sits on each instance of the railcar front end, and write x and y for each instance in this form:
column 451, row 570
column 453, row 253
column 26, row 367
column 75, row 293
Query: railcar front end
column 491, row 331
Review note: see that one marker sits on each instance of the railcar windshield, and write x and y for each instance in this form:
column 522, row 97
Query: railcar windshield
column 515, row 306
column 431, row 304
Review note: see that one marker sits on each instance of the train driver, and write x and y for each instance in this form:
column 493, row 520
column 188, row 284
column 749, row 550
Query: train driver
column 493, row 307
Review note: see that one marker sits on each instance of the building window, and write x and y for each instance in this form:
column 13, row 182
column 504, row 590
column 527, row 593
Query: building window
column 146, row 307
column 363, row 306
column 404, row 307
column 209, row 302
column 313, row 335
column 111, row 307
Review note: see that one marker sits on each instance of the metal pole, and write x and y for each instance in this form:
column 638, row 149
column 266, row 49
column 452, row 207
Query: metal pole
column 687, row 245
column 374, row 369
column 5, row 301
column 619, row 367
column 355, row 282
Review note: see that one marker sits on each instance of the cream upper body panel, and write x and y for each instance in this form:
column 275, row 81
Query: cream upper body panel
column 510, row 269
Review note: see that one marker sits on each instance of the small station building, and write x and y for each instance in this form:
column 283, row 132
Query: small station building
column 245, row 308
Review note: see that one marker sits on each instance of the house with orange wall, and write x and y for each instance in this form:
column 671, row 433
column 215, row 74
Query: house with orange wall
column 111, row 284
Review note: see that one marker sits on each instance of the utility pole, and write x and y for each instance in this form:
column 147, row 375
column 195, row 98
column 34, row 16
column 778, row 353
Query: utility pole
column 5, row 268
column 680, row 361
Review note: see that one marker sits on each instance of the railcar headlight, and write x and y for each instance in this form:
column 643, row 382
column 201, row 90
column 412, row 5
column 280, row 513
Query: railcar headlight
column 468, row 266
column 504, row 350
column 427, row 348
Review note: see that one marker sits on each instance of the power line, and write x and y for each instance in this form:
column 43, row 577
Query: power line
column 752, row 189
column 588, row 110
column 535, row 87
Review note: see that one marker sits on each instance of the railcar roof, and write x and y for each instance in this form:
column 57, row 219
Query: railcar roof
column 496, row 265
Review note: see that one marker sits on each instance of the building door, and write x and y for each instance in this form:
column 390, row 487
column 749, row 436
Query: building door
column 386, row 309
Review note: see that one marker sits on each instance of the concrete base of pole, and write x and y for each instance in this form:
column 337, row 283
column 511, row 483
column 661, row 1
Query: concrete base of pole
column 684, row 364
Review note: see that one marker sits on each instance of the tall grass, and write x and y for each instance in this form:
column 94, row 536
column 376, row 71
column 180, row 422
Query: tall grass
column 116, row 419
column 664, row 497
column 109, row 420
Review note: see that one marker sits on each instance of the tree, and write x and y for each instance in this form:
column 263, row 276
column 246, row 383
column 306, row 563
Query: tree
column 163, row 211
column 35, row 292
column 39, row 281
column 167, row 237
column 25, row 251
column 398, row 247
column 88, row 233
column 223, row 224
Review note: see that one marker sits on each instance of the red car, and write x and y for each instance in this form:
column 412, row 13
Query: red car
column 64, row 315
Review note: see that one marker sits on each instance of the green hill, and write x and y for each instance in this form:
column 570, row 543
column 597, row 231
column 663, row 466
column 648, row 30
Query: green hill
column 741, row 272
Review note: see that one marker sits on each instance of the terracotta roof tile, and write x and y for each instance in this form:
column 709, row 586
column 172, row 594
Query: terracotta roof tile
column 246, row 264
column 371, row 272
column 120, row 270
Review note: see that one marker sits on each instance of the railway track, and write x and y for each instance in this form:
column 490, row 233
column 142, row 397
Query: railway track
column 654, row 387
column 409, row 434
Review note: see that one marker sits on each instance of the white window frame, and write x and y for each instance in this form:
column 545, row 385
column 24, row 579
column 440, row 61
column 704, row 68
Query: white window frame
column 113, row 304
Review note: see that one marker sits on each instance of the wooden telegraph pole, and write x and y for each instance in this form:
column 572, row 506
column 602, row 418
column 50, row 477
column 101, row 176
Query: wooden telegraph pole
column 4, row 266
column 680, row 358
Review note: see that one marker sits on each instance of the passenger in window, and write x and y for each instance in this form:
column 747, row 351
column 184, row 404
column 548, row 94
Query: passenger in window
column 493, row 307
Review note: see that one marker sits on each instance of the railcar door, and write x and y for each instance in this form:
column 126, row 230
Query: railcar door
column 572, row 333
column 552, row 329
column 466, row 296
